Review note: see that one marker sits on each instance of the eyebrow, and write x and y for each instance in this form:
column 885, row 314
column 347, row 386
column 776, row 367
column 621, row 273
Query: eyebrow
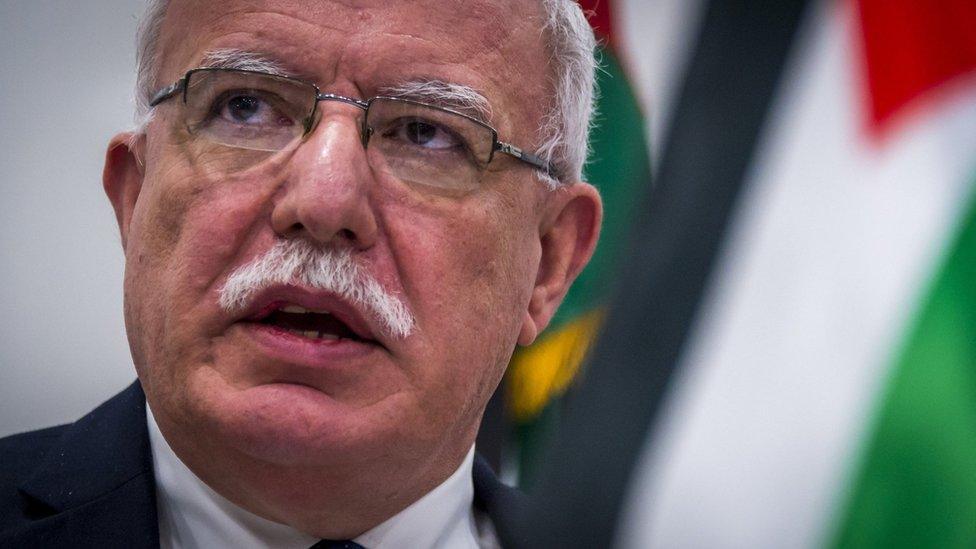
column 243, row 60
column 449, row 95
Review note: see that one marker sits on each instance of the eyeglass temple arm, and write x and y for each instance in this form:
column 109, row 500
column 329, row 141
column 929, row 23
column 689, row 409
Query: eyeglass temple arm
column 167, row 92
column 528, row 158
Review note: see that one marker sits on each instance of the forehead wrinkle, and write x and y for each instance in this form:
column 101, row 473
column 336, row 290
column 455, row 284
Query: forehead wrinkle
column 228, row 19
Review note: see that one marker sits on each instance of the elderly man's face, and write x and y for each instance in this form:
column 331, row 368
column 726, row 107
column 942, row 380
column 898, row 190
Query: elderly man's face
column 479, row 270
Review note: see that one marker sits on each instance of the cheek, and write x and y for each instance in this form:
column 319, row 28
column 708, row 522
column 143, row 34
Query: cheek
column 190, row 212
column 185, row 231
column 472, row 319
column 470, row 269
column 469, row 275
column 191, row 225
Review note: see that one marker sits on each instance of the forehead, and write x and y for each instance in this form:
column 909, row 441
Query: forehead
column 359, row 47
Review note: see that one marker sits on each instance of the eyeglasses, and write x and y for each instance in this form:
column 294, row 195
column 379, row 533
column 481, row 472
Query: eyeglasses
column 256, row 113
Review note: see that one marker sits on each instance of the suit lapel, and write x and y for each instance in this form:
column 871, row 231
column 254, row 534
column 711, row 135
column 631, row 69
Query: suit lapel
column 96, row 485
column 502, row 503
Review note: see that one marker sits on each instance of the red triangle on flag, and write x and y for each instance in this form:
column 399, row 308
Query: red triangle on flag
column 911, row 48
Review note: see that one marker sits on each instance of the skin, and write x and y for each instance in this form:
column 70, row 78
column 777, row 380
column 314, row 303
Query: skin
column 335, row 449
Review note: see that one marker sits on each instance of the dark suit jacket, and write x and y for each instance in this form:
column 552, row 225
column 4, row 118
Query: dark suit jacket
column 91, row 484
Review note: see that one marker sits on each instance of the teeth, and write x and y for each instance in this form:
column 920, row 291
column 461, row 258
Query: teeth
column 301, row 310
column 312, row 334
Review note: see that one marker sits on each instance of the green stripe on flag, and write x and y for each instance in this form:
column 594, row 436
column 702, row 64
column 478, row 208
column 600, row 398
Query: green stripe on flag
column 916, row 486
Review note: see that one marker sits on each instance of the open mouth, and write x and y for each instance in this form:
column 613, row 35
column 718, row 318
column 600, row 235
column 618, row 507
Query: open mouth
column 308, row 323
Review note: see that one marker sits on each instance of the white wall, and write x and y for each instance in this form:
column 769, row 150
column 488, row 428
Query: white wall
column 66, row 74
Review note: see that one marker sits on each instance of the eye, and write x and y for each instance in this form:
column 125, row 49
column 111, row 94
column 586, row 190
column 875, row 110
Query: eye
column 251, row 109
column 242, row 108
column 424, row 133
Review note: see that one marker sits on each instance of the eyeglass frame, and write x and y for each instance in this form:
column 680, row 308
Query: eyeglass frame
column 180, row 87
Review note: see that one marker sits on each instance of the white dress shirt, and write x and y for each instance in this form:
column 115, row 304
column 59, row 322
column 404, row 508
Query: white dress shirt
column 192, row 515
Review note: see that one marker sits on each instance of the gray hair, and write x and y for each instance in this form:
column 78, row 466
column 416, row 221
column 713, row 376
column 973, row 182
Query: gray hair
column 564, row 131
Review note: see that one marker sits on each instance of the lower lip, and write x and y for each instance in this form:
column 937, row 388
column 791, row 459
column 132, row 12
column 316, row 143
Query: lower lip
column 287, row 346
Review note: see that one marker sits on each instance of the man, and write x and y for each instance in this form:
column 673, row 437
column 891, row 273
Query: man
column 333, row 242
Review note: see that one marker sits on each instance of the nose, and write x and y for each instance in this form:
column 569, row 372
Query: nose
column 325, row 194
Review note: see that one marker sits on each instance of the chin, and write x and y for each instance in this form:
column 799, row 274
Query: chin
column 296, row 425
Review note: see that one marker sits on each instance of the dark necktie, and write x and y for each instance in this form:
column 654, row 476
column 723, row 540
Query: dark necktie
column 336, row 544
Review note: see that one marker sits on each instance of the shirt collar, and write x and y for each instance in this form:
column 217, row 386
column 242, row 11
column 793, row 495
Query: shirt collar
column 191, row 514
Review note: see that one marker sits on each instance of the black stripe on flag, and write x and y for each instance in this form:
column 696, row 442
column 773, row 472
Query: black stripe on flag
column 724, row 99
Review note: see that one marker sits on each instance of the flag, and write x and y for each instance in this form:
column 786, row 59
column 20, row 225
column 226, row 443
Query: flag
column 913, row 484
column 793, row 362
column 618, row 166
column 826, row 396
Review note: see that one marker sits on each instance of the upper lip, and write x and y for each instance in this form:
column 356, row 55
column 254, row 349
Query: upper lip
column 275, row 297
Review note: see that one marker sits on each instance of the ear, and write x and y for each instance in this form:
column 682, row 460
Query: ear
column 569, row 233
column 122, row 176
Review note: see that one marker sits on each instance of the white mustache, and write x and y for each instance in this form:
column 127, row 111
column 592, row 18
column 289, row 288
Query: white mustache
column 298, row 262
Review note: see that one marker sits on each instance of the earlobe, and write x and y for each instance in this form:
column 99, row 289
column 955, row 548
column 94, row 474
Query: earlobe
column 528, row 332
column 122, row 177
column 568, row 238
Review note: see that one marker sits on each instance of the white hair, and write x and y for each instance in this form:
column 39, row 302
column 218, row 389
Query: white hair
column 564, row 131
column 445, row 94
column 298, row 262
column 147, row 58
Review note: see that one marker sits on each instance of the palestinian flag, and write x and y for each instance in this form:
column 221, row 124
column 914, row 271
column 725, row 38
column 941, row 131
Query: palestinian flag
column 540, row 375
column 794, row 361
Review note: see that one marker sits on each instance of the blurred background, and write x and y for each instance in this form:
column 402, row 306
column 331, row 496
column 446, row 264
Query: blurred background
column 775, row 345
column 66, row 75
